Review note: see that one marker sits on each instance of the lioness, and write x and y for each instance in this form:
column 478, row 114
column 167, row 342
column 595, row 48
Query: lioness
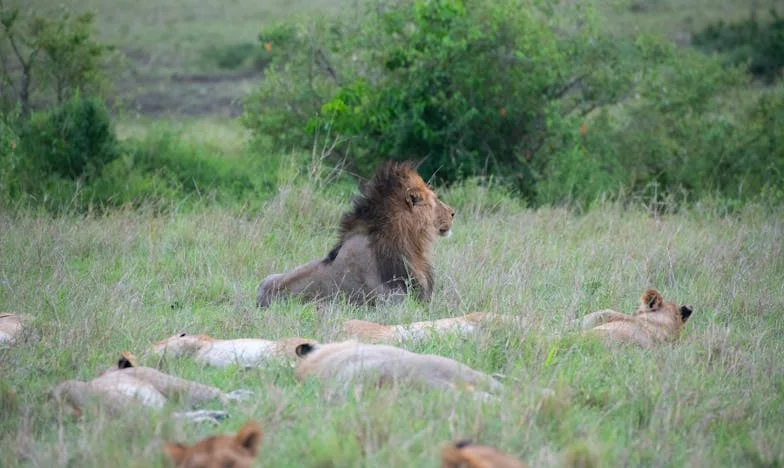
column 371, row 332
column 10, row 326
column 467, row 455
column 344, row 362
column 654, row 322
column 219, row 451
column 384, row 246
column 126, row 386
column 245, row 352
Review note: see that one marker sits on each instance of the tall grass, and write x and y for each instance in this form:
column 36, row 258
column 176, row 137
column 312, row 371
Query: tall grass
column 97, row 285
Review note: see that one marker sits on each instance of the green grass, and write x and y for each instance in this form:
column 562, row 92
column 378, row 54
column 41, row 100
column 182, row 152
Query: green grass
column 98, row 285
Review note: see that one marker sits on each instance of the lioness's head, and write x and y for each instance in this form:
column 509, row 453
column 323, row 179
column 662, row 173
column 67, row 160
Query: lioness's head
column 464, row 454
column 652, row 301
column 181, row 344
column 219, row 451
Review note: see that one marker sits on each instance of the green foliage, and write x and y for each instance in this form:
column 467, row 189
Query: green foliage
column 73, row 141
column 164, row 170
column 748, row 42
column 55, row 57
column 535, row 95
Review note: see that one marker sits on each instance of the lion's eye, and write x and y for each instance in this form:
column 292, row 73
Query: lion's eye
column 182, row 335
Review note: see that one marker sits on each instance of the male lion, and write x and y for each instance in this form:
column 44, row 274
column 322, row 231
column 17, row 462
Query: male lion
column 10, row 326
column 385, row 244
column 371, row 332
column 219, row 451
column 654, row 322
column 126, row 386
column 347, row 361
column 245, row 352
column 467, row 455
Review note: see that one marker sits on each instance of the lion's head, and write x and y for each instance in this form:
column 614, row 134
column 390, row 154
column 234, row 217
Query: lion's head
column 218, row 451
column 465, row 454
column 402, row 216
column 652, row 301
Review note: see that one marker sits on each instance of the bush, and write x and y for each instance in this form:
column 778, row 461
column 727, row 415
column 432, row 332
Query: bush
column 531, row 93
column 749, row 42
column 464, row 86
column 163, row 170
column 73, row 141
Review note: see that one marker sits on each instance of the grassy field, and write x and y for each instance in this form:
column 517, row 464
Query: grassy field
column 98, row 285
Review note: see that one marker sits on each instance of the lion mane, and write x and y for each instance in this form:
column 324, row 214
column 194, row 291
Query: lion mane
column 384, row 246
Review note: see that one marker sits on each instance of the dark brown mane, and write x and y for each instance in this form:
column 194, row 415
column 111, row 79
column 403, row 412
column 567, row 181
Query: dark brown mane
column 400, row 241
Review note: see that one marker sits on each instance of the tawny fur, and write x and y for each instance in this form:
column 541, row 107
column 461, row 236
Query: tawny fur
column 385, row 244
column 244, row 352
column 237, row 451
column 654, row 322
column 348, row 361
column 371, row 332
column 467, row 455
column 127, row 387
column 10, row 327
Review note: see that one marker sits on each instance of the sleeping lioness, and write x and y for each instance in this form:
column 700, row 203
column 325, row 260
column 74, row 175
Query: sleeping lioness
column 128, row 387
column 244, row 352
column 341, row 363
column 655, row 321
column 371, row 332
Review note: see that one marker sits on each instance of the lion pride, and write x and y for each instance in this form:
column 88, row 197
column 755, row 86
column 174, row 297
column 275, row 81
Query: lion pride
column 654, row 322
column 384, row 246
column 219, row 451
column 467, row 455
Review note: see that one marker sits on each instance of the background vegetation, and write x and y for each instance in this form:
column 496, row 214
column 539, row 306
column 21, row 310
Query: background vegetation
column 592, row 150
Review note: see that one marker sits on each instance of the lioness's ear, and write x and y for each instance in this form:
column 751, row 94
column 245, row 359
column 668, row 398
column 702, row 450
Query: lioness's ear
column 126, row 360
column 249, row 437
column 463, row 443
column 686, row 311
column 176, row 452
column 304, row 349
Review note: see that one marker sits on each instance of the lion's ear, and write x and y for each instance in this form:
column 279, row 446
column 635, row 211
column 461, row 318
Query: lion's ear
column 304, row 349
column 414, row 199
column 176, row 452
column 686, row 311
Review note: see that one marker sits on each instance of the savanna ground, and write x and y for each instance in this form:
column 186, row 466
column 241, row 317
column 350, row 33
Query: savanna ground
column 99, row 285
column 96, row 285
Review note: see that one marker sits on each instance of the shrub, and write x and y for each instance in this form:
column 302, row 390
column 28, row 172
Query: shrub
column 531, row 93
column 74, row 140
column 748, row 42
column 162, row 169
